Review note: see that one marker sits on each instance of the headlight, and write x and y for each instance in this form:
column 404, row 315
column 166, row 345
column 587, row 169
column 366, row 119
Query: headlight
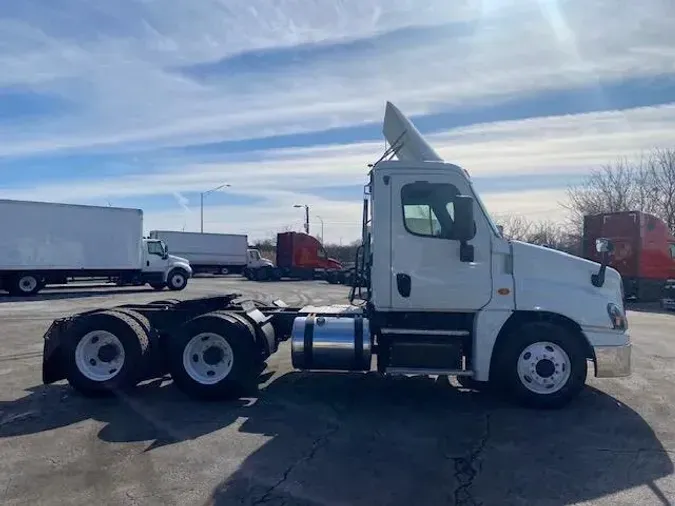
column 617, row 317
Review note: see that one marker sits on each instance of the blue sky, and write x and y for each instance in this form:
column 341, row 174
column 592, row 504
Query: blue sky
column 145, row 103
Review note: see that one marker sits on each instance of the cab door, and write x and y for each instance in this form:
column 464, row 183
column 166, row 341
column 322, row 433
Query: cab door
column 426, row 269
column 154, row 257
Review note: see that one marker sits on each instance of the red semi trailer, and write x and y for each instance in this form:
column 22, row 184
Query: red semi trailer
column 299, row 256
column 644, row 250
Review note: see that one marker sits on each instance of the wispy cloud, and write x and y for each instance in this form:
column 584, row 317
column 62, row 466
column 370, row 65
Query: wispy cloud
column 119, row 62
column 148, row 103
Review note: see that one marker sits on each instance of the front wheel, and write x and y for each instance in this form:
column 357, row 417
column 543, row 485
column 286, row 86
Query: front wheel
column 177, row 279
column 542, row 365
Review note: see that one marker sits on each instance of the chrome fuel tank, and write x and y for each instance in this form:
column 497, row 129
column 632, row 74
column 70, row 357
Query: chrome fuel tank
column 334, row 343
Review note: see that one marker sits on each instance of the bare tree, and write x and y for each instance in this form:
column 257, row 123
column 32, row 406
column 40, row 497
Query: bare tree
column 516, row 227
column 646, row 184
column 544, row 233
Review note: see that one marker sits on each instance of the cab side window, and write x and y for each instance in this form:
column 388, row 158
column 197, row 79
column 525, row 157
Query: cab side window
column 155, row 248
column 428, row 209
column 671, row 247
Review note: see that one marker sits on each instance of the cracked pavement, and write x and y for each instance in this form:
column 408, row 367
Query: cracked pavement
column 328, row 438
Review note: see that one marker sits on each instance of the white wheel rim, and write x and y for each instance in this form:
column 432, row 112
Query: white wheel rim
column 28, row 284
column 544, row 368
column 177, row 280
column 208, row 358
column 99, row 355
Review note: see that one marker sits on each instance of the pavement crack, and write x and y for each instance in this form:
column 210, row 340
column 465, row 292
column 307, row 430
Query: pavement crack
column 317, row 444
column 467, row 469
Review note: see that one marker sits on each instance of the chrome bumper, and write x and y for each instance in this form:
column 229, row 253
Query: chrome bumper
column 612, row 361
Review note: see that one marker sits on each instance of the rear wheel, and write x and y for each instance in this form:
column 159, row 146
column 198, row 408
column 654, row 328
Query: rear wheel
column 542, row 365
column 214, row 356
column 25, row 284
column 106, row 352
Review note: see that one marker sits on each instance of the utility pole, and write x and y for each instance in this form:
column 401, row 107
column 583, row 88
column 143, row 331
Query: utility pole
column 306, row 216
column 202, row 194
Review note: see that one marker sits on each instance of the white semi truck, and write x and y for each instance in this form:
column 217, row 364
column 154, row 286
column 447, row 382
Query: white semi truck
column 213, row 253
column 49, row 243
column 446, row 294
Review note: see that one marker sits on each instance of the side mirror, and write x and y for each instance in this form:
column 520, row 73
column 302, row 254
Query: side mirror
column 605, row 247
column 464, row 228
column 500, row 229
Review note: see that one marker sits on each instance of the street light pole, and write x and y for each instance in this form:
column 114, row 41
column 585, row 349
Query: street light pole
column 202, row 194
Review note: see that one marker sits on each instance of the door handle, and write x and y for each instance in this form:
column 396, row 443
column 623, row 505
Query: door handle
column 147, row 263
column 403, row 283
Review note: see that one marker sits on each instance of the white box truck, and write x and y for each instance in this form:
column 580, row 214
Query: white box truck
column 451, row 298
column 212, row 253
column 48, row 243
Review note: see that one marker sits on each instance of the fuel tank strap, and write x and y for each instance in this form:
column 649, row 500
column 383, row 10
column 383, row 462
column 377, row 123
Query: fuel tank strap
column 308, row 339
column 358, row 343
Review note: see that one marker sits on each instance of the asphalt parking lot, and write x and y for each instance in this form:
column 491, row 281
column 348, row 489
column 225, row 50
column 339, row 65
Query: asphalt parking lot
column 326, row 439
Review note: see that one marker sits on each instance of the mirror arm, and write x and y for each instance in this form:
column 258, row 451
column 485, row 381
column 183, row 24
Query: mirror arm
column 598, row 279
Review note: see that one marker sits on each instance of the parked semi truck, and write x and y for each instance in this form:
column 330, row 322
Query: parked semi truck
column 47, row 243
column 213, row 253
column 299, row 256
column 644, row 250
column 453, row 298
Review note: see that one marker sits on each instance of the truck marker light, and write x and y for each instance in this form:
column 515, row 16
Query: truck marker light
column 503, row 291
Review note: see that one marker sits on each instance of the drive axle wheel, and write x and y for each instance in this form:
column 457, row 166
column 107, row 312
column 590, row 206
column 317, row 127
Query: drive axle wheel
column 542, row 365
column 106, row 352
column 214, row 356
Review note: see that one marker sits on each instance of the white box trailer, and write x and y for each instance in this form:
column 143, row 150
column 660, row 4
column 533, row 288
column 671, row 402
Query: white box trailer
column 49, row 243
column 208, row 252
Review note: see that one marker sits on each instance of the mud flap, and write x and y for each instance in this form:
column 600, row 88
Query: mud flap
column 52, row 363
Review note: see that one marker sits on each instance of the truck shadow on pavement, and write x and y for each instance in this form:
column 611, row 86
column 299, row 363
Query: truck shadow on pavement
column 365, row 439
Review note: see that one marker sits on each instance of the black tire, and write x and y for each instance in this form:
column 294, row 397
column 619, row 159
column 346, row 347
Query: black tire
column 177, row 279
column 242, row 377
column 158, row 286
column 25, row 284
column 262, row 274
column 507, row 376
column 130, row 331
